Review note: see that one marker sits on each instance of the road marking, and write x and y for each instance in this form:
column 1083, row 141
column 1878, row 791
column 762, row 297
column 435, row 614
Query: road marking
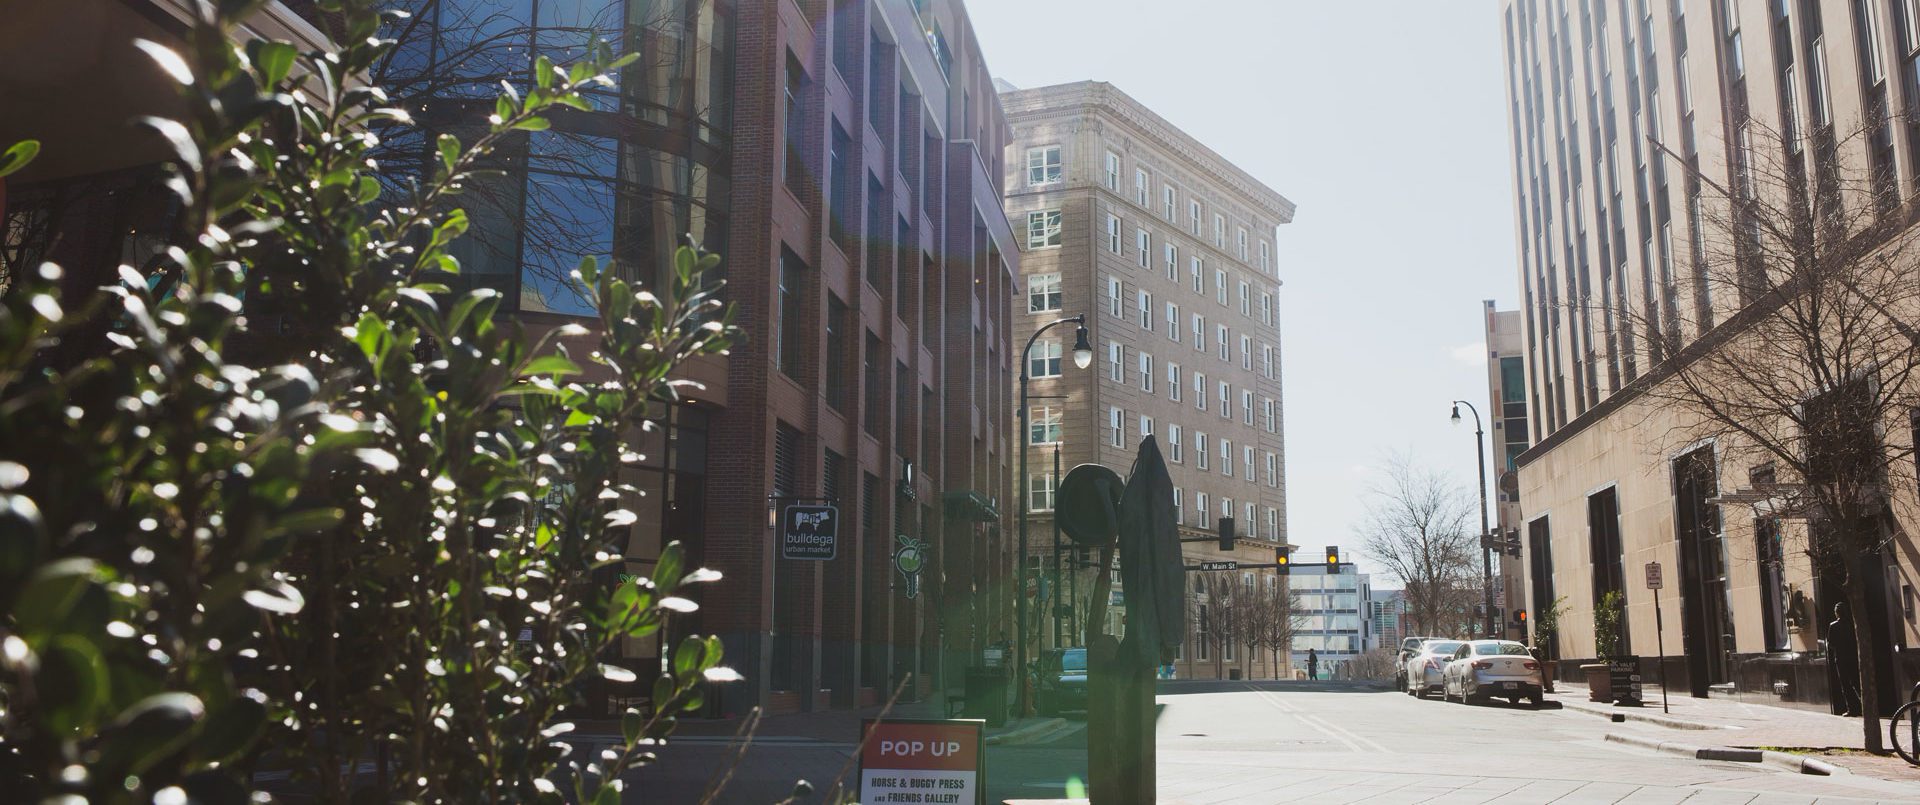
column 1351, row 739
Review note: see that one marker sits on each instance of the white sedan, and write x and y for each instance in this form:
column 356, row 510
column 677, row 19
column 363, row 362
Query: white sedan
column 1426, row 669
column 1486, row 669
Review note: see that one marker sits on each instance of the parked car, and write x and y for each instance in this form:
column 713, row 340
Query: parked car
column 1408, row 648
column 1063, row 681
column 1486, row 669
column 1426, row 669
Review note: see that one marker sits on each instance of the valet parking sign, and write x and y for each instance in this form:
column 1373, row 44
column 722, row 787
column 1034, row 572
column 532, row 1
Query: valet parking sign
column 936, row 762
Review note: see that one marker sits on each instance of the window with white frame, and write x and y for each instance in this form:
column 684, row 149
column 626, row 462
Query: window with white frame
column 1200, row 512
column 1246, row 352
column 1146, row 426
column 1043, row 293
column 1144, row 302
column 1113, row 171
column 1220, row 341
column 1179, row 505
column 1044, row 360
column 1166, row 201
column 1266, row 361
column 1220, row 285
column 1173, row 381
column 1226, row 400
column 1250, row 529
column 1043, row 165
column 1113, row 234
column 1197, row 267
column 1176, row 448
column 1146, row 372
column 1273, row 469
column 1266, row 309
column 1200, row 447
column 1246, row 463
column 1172, row 258
column 1266, row 257
column 1246, row 299
column 1116, row 429
column 1273, row 523
column 1193, row 217
column 1200, row 390
column 1040, row 492
column 1246, row 406
column 1173, row 322
column 1043, row 424
column 1241, row 238
column 1143, row 243
column 1219, row 231
column 1141, row 185
column 1267, row 409
column 1226, row 507
column 1043, row 229
column 1226, row 466
column 1199, row 333
column 1116, row 367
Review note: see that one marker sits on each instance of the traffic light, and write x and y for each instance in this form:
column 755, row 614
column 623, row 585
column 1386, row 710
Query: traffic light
column 1333, row 558
column 1520, row 617
column 1226, row 534
column 1282, row 560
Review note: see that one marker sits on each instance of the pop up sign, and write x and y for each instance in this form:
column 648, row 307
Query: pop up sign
column 933, row 762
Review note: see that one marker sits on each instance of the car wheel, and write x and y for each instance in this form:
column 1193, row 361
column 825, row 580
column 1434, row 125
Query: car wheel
column 1536, row 700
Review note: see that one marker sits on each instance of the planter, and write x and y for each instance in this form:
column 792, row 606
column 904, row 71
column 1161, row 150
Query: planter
column 1549, row 669
column 1599, row 681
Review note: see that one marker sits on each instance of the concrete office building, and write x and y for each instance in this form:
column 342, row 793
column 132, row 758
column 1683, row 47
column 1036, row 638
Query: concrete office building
column 1508, row 434
column 1169, row 251
column 1625, row 118
column 1388, row 608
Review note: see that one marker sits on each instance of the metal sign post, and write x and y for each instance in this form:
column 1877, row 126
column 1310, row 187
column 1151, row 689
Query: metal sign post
column 1654, row 583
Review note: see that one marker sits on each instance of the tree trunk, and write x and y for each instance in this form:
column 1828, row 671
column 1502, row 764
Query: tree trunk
column 1869, row 675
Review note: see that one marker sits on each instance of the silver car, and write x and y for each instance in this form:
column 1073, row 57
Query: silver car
column 1426, row 669
column 1486, row 669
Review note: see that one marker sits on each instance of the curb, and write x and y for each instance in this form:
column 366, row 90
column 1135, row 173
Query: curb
column 1027, row 733
column 1628, row 713
column 1795, row 763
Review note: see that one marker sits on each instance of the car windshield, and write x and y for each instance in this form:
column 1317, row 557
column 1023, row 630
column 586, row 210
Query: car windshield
column 1512, row 649
column 1073, row 659
column 1441, row 646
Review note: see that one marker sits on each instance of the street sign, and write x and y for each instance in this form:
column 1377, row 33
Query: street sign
column 1219, row 565
column 910, row 558
column 930, row 761
column 1653, row 576
column 810, row 532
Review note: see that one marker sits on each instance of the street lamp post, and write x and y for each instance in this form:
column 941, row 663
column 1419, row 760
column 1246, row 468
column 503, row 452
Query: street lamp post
column 1486, row 545
column 1082, row 358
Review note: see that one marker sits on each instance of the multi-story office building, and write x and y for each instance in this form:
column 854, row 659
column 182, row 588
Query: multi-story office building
column 1507, row 407
column 1629, row 121
column 1169, row 251
column 1388, row 608
column 1334, row 618
column 845, row 159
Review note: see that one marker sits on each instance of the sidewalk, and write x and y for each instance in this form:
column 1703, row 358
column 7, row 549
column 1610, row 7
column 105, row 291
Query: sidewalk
column 1725, row 723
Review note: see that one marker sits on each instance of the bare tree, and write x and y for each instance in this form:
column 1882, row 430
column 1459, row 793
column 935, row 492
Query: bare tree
column 1417, row 525
column 1795, row 356
column 1217, row 614
column 1375, row 664
column 1272, row 620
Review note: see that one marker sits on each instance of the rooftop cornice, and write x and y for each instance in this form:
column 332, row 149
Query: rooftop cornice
column 1027, row 106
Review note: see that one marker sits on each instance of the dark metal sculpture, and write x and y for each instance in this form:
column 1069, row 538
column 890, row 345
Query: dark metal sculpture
column 1138, row 520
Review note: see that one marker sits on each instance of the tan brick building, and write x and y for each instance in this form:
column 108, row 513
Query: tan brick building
column 1169, row 251
column 1624, row 117
column 1508, row 435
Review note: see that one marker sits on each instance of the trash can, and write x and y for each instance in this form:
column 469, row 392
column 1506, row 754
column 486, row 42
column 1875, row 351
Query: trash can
column 986, row 695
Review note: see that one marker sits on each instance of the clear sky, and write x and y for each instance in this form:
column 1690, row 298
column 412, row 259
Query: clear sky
column 1385, row 121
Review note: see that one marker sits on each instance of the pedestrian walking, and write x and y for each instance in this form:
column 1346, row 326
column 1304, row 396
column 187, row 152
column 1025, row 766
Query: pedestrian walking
column 1313, row 664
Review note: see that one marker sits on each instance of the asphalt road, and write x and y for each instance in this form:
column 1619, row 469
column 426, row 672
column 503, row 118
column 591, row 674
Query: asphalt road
column 1275, row 742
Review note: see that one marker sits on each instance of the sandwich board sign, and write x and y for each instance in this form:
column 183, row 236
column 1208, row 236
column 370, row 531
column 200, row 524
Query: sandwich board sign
column 926, row 762
column 810, row 532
